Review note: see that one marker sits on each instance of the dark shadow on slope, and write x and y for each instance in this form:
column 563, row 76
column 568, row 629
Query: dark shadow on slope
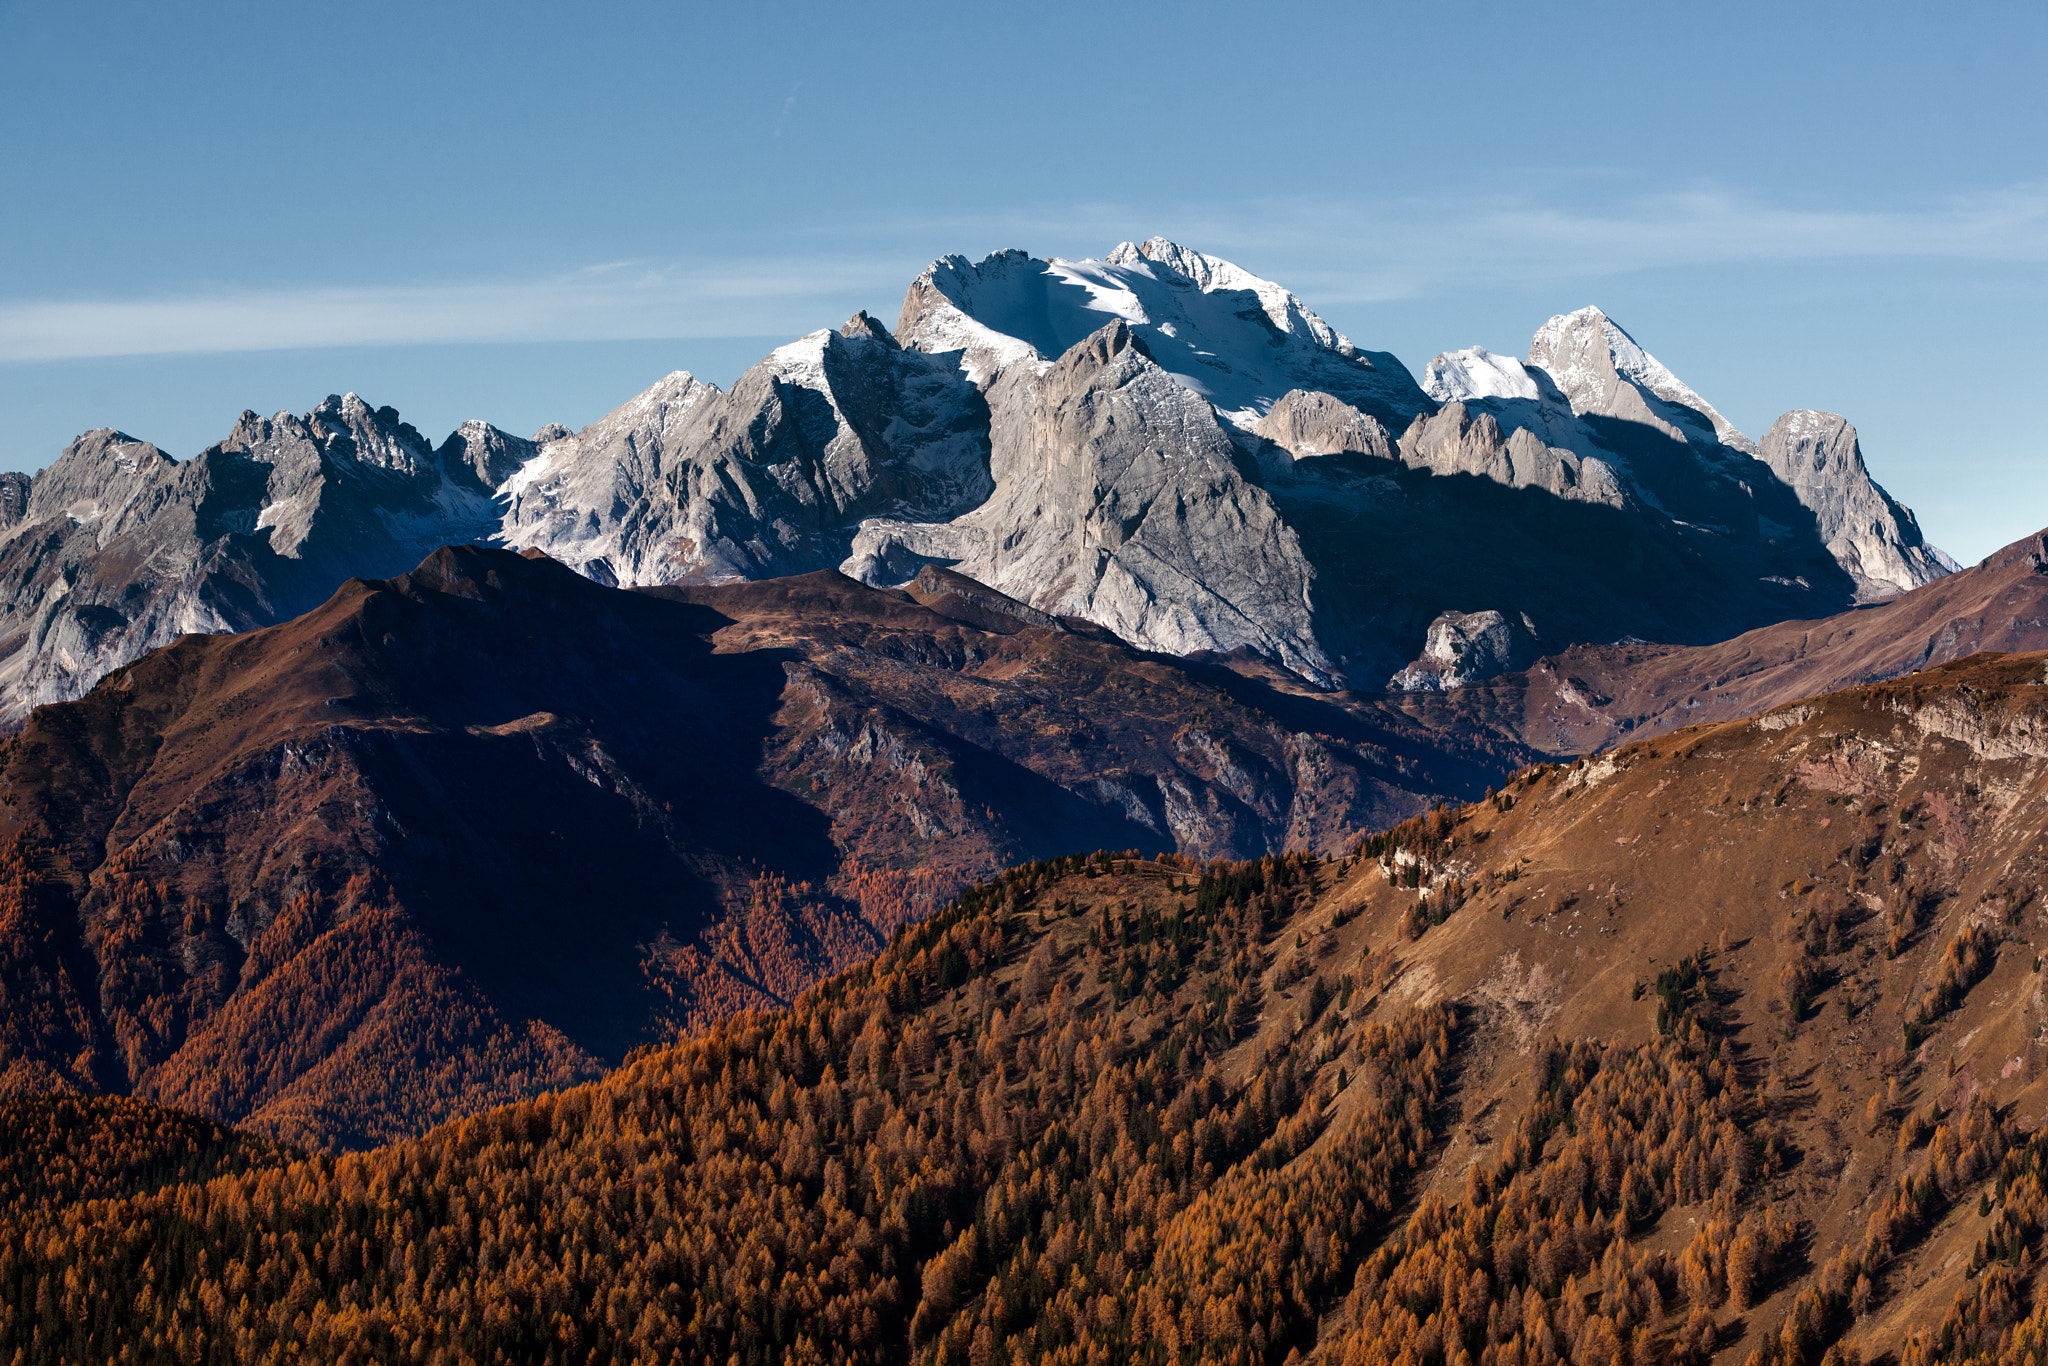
column 1580, row 571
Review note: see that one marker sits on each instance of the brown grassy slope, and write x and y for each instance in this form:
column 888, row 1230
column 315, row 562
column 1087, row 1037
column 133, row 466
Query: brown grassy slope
column 1589, row 696
column 1152, row 1112
column 1837, row 851
column 478, row 831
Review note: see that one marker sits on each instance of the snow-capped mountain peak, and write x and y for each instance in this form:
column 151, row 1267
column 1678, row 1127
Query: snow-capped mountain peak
column 1234, row 338
column 1475, row 373
column 1587, row 353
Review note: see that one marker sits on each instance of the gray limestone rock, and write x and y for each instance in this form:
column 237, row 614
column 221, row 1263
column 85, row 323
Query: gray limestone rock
column 1602, row 371
column 1870, row 535
column 1457, row 440
column 480, row 455
column 1119, row 498
column 120, row 548
column 686, row 484
column 1307, row 424
column 14, row 491
column 1464, row 647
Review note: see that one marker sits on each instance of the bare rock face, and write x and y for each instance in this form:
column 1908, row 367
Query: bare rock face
column 1307, row 424
column 490, row 456
column 1457, row 440
column 1464, row 647
column 1602, row 371
column 1871, row 535
column 120, row 548
column 14, row 491
column 595, row 499
column 686, row 484
column 1119, row 498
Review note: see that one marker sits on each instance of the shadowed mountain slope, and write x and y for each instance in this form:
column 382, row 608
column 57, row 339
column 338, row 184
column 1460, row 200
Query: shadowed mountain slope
column 1590, row 696
column 480, row 829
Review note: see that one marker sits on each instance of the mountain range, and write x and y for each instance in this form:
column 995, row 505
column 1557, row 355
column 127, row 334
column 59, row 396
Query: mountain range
column 1157, row 442
column 489, row 826
column 1565, row 877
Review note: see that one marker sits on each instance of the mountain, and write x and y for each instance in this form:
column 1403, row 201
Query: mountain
column 1158, row 442
column 481, row 829
column 1226, row 335
column 339, row 855
column 118, row 549
column 1718, row 1047
column 1193, row 486
column 1870, row 535
column 1590, row 388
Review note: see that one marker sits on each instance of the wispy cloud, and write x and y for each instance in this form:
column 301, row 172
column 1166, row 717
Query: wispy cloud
column 1330, row 250
column 788, row 104
column 609, row 302
column 1355, row 249
column 1421, row 244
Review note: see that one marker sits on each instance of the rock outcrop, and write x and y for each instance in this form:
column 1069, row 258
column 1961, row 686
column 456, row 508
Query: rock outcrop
column 1464, row 647
column 1307, row 424
column 1877, row 540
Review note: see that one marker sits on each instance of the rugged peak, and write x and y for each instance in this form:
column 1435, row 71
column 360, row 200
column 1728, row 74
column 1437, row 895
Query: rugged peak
column 480, row 454
column 349, row 428
column 104, row 454
column 95, row 481
column 1236, row 340
column 1475, row 372
column 1101, row 347
column 1870, row 535
column 1591, row 357
column 553, row 431
column 107, row 443
column 862, row 325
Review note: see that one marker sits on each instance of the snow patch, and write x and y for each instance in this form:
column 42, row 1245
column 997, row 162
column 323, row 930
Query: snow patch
column 1236, row 339
column 1475, row 373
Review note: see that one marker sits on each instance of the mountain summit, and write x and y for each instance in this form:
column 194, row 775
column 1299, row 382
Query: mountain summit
column 1236, row 340
column 1590, row 387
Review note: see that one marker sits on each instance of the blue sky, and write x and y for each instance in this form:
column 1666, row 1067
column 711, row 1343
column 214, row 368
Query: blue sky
column 527, row 213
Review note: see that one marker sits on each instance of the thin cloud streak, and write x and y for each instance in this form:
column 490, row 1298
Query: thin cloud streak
column 1331, row 251
column 610, row 303
column 1422, row 245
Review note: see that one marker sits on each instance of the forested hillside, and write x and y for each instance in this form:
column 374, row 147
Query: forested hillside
column 1718, row 1047
column 474, row 833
